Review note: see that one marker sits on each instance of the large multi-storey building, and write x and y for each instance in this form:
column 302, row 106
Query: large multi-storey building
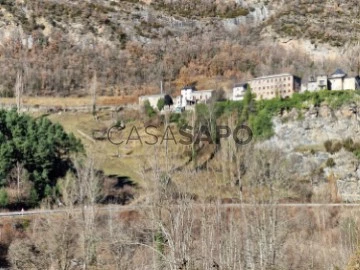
column 283, row 85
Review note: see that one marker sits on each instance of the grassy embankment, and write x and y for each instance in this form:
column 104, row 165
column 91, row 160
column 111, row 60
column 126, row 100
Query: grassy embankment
column 134, row 158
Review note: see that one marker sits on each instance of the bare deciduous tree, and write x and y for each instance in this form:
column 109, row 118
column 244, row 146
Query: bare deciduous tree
column 19, row 88
column 352, row 56
column 93, row 90
column 88, row 189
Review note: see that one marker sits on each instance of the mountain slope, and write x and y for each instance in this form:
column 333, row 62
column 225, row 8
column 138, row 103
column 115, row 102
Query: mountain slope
column 132, row 45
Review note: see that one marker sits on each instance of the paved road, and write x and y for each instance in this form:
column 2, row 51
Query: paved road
column 130, row 207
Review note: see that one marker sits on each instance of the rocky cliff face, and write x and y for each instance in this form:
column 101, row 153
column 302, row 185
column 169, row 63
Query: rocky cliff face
column 301, row 136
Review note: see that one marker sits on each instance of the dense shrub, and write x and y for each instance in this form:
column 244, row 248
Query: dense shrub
column 160, row 104
column 331, row 147
column 330, row 162
column 348, row 144
column 328, row 145
column 351, row 146
column 175, row 117
column 4, row 199
column 261, row 125
column 149, row 110
column 337, row 147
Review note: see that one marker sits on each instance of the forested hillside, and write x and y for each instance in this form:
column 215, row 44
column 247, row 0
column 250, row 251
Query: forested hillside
column 133, row 45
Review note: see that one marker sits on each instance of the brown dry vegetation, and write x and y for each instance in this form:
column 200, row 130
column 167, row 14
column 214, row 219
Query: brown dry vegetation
column 132, row 46
column 190, row 236
column 66, row 102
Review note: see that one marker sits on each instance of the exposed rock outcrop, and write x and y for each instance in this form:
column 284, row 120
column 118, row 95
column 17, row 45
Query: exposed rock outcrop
column 302, row 140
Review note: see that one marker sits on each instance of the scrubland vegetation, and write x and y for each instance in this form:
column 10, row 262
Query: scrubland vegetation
column 186, row 236
column 200, row 8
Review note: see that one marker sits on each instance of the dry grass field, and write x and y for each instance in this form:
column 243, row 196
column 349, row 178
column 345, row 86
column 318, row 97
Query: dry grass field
column 72, row 101
column 140, row 161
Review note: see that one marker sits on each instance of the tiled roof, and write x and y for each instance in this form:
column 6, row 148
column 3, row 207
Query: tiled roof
column 272, row 76
column 338, row 72
column 240, row 84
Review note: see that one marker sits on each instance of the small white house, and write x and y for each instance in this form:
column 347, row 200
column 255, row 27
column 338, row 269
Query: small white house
column 340, row 81
column 320, row 82
column 337, row 80
column 239, row 91
column 187, row 96
column 190, row 96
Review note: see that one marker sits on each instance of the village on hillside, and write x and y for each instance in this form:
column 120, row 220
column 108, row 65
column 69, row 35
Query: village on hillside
column 265, row 87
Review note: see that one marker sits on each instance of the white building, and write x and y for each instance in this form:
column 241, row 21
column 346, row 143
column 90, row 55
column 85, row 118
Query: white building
column 239, row 91
column 320, row 82
column 340, row 81
column 336, row 81
column 190, row 96
column 186, row 97
column 352, row 83
column 202, row 96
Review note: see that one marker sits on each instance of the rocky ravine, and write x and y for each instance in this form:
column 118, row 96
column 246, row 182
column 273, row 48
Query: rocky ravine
column 301, row 137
